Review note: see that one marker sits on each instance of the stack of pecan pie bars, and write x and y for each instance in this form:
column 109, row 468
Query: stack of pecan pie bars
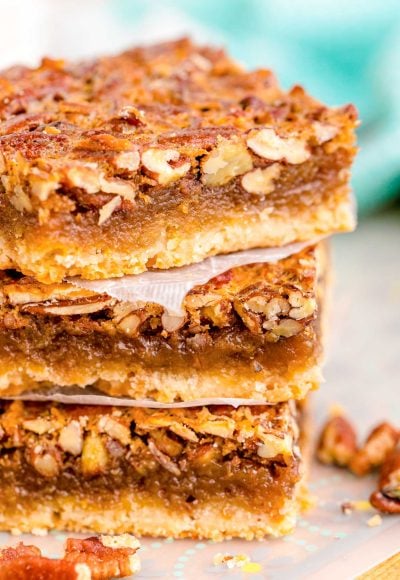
column 158, row 158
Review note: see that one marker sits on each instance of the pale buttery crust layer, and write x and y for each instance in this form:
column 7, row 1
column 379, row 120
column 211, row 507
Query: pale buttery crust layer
column 141, row 516
column 210, row 472
column 253, row 331
column 160, row 157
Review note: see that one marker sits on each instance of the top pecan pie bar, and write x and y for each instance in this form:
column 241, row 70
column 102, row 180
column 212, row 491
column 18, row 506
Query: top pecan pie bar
column 159, row 157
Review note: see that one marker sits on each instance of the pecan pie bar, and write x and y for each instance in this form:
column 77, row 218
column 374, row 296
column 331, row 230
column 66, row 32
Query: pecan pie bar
column 203, row 472
column 160, row 157
column 253, row 331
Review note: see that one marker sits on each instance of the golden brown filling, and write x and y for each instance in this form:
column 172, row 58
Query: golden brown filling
column 182, row 455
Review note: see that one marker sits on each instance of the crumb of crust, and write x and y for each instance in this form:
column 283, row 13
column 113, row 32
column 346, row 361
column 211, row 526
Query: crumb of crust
column 375, row 521
column 39, row 532
column 230, row 560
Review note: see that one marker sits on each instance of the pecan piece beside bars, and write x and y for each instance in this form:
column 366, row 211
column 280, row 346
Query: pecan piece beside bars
column 379, row 443
column 386, row 498
column 338, row 442
column 96, row 558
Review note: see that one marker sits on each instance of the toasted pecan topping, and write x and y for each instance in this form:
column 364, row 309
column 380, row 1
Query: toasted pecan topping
column 94, row 440
column 72, row 129
column 277, row 300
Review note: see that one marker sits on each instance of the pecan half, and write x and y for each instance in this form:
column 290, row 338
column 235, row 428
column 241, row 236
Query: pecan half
column 386, row 498
column 97, row 558
column 380, row 442
column 338, row 442
column 26, row 562
column 105, row 556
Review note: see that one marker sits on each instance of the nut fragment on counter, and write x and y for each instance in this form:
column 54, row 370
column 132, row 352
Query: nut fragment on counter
column 230, row 561
column 374, row 521
column 360, row 505
column 379, row 443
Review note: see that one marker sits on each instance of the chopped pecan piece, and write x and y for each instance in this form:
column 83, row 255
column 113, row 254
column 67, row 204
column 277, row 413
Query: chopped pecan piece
column 163, row 165
column 268, row 144
column 163, row 459
column 94, row 456
column 261, row 181
column 229, row 159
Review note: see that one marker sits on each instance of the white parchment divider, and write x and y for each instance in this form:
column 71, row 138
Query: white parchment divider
column 169, row 287
column 91, row 396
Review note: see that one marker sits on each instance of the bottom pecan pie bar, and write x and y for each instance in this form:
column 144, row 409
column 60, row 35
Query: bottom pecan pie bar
column 252, row 332
column 201, row 472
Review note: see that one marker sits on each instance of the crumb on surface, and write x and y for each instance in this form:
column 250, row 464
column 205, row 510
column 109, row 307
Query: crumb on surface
column 359, row 505
column 230, row 560
column 375, row 521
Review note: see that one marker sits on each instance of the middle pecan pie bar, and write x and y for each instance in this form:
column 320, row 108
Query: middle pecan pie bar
column 210, row 472
column 251, row 332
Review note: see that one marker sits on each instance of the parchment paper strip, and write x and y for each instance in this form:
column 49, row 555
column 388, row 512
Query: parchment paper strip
column 169, row 287
column 91, row 396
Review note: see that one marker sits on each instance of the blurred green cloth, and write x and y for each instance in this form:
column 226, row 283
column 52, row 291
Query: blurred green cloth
column 340, row 50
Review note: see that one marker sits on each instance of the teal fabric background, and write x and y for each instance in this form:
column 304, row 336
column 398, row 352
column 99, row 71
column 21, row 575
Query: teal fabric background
column 340, row 50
